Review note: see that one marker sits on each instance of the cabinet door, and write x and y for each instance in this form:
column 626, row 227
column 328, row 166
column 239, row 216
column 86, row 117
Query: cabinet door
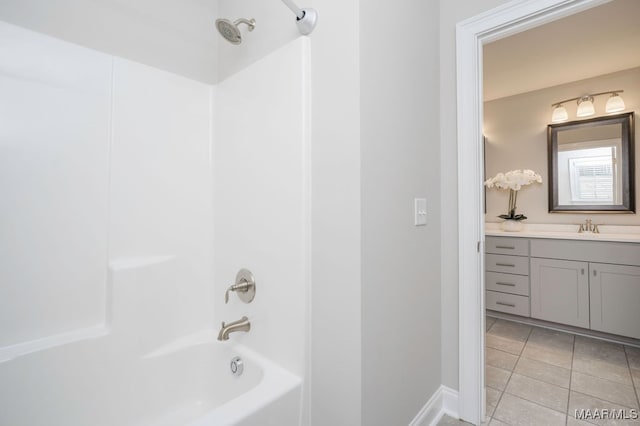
column 615, row 299
column 560, row 291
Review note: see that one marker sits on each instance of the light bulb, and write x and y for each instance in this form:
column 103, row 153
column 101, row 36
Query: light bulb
column 585, row 107
column 614, row 104
column 559, row 114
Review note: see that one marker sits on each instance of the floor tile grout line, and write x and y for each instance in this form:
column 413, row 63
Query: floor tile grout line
column 582, row 420
column 573, row 354
column 526, row 341
column 501, row 391
column 590, row 395
column 522, row 373
column 633, row 383
column 525, row 399
column 603, row 400
column 510, row 375
column 508, row 380
column 536, row 403
column 605, row 379
column 540, row 381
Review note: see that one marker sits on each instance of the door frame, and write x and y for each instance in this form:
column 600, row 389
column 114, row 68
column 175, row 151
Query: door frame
column 471, row 34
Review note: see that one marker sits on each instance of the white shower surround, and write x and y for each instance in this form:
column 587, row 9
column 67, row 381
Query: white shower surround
column 145, row 209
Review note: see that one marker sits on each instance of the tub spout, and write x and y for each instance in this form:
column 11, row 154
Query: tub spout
column 242, row 324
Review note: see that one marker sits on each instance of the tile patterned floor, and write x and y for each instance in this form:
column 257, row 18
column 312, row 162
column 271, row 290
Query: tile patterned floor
column 536, row 376
column 540, row 377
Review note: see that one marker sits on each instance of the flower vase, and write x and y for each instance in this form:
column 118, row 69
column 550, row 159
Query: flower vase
column 510, row 225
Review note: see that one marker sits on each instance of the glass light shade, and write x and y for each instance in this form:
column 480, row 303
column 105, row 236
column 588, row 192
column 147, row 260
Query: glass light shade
column 585, row 107
column 559, row 114
column 614, row 104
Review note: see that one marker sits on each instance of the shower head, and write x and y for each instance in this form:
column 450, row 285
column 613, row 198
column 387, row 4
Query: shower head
column 230, row 31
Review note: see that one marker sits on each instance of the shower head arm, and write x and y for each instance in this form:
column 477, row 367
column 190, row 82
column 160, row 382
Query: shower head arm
column 295, row 9
column 251, row 23
column 306, row 18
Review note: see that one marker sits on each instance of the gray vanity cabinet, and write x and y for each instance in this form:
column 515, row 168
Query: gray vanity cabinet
column 589, row 284
column 560, row 291
column 582, row 283
column 615, row 299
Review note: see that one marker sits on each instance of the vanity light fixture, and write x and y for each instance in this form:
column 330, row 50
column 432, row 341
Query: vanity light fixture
column 586, row 107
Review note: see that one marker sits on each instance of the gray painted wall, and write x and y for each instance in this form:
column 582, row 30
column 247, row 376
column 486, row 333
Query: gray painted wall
column 399, row 83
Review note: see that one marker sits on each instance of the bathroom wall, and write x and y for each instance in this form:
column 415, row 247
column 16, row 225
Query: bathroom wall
column 103, row 160
column 54, row 181
column 175, row 36
column 161, row 195
column 334, row 388
column 366, row 171
column 262, row 201
column 516, row 132
column 399, row 162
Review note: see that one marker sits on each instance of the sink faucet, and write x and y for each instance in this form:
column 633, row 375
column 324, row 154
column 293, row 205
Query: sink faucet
column 589, row 226
column 242, row 324
column 586, row 226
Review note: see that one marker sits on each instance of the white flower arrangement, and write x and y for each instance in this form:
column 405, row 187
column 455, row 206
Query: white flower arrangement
column 513, row 180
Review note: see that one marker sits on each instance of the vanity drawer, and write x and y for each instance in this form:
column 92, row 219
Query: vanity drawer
column 509, row 303
column 507, row 283
column 509, row 264
column 620, row 253
column 506, row 245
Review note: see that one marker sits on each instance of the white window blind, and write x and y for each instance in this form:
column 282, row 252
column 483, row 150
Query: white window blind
column 592, row 180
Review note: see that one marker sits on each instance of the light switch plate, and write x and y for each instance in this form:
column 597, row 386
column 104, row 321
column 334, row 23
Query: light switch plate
column 420, row 210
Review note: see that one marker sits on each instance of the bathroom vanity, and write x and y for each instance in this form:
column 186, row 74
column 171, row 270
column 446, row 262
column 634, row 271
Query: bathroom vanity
column 591, row 281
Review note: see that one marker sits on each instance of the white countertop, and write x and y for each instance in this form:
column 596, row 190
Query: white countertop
column 568, row 232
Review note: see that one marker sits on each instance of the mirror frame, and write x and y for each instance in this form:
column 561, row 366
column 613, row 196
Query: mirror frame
column 627, row 160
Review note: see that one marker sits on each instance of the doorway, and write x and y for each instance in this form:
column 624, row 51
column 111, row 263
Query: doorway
column 472, row 34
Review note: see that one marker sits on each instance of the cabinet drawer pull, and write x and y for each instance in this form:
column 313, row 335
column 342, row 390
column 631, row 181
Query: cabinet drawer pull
column 511, row 265
column 509, row 284
column 506, row 247
column 511, row 305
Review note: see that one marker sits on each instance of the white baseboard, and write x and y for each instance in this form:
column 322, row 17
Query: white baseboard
column 443, row 401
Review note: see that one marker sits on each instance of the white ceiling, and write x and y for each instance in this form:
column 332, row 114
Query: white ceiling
column 598, row 41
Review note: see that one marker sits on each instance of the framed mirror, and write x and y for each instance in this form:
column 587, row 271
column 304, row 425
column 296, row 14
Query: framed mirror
column 591, row 165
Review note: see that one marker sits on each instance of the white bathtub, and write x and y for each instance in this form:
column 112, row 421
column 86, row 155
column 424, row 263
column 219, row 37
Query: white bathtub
column 187, row 382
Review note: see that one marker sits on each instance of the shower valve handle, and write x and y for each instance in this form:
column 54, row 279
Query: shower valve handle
column 242, row 287
column 245, row 287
